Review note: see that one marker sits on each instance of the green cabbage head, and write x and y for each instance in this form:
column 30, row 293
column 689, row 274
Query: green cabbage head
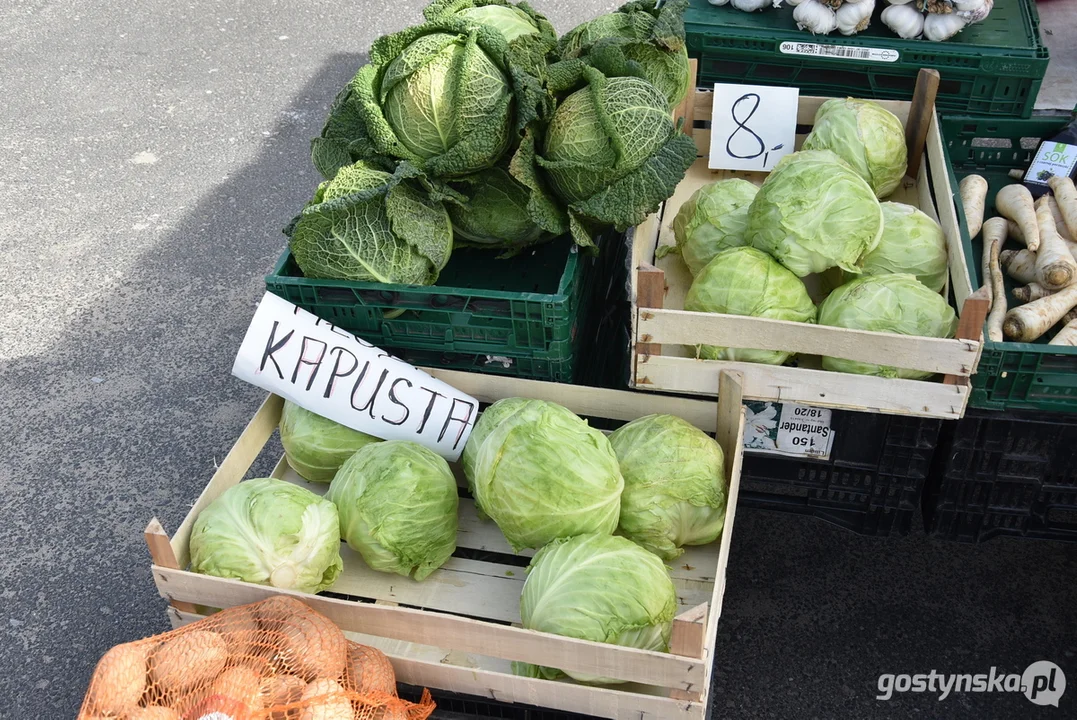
column 713, row 219
column 814, row 213
column 746, row 281
column 912, row 243
column 269, row 532
column 495, row 213
column 602, row 588
column 640, row 40
column 610, row 152
column 447, row 95
column 316, row 447
column 675, row 484
column 531, row 38
column 369, row 225
column 867, row 136
column 398, row 507
column 886, row 303
column 540, row 472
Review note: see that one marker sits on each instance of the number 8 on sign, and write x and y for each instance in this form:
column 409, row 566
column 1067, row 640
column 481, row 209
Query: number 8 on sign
column 752, row 126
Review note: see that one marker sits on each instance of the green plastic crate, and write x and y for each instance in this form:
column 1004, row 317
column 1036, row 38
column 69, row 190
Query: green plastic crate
column 528, row 309
column 1011, row 375
column 992, row 68
column 562, row 370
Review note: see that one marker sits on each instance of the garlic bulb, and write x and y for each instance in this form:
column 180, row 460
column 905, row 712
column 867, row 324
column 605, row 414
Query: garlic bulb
column 974, row 11
column 718, row 2
column 941, row 7
column 794, row 3
column 939, row 26
column 899, row 2
column 749, row 5
column 815, row 17
column 852, row 18
column 905, row 20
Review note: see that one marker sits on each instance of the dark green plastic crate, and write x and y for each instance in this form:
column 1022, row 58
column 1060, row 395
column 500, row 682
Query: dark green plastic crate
column 562, row 370
column 1011, row 375
column 528, row 309
column 992, row 68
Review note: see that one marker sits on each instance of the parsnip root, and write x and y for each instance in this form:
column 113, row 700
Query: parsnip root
column 1030, row 292
column 1066, row 197
column 1055, row 267
column 985, row 274
column 1015, row 202
column 994, row 237
column 1026, row 323
column 1016, row 234
column 973, row 196
column 1060, row 220
column 1019, row 264
column 1066, row 336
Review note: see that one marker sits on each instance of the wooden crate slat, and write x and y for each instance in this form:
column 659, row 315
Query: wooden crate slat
column 821, row 388
column 681, row 327
column 588, row 401
column 482, row 676
column 466, row 634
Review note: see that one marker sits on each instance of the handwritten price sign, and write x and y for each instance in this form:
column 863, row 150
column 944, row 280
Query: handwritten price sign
column 342, row 377
column 752, row 126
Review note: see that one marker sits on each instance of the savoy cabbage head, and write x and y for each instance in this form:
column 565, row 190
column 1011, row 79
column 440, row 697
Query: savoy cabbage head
column 494, row 214
column 639, row 39
column 610, row 152
column 531, row 38
column 446, row 96
column 370, row 225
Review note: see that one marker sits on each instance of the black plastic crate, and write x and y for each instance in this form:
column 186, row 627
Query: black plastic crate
column 871, row 483
column 1004, row 474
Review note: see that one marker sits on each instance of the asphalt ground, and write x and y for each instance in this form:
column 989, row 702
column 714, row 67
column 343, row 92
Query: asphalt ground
column 151, row 152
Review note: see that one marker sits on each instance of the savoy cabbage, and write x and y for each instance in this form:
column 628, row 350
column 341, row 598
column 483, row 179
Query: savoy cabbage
column 445, row 95
column 367, row 224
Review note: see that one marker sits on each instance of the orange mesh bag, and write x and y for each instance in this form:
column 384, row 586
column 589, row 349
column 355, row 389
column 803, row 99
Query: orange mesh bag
column 273, row 660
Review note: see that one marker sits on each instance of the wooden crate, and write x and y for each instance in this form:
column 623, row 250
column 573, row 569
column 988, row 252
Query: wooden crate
column 458, row 630
column 662, row 332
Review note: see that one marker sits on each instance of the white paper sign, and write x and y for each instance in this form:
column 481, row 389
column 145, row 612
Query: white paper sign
column 804, row 430
column 752, row 126
column 788, row 429
column 290, row 352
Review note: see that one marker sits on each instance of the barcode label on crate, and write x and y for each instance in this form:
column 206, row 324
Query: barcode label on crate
column 846, row 52
column 788, row 429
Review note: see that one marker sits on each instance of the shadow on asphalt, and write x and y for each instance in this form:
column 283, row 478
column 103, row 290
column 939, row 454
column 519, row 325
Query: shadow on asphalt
column 121, row 422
